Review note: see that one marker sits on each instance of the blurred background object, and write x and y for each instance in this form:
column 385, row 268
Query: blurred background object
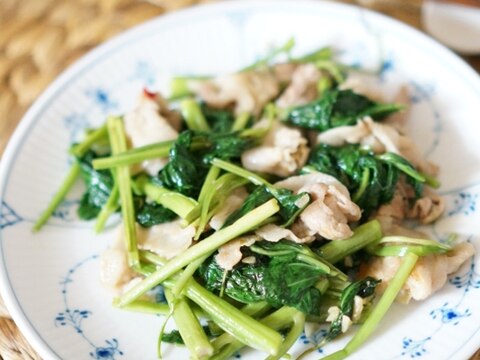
column 454, row 23
column 40, row 38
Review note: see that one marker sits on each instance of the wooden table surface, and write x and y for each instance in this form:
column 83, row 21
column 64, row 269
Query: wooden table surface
column 31, row 27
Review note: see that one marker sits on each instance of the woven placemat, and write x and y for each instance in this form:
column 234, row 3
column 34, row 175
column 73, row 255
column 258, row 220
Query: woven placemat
column 40, row 38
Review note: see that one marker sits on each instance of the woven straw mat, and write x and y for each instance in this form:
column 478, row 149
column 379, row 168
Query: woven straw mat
column 40, row 38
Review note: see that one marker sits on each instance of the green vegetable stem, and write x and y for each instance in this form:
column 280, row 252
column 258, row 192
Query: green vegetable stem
column 189, row 327
column 118, row 143
column 58, row 197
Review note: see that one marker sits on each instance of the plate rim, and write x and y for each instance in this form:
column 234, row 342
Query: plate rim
column 33, row 115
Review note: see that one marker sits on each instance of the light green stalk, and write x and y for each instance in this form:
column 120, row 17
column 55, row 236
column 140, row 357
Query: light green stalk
column 298, row 324
column 180, row 204
column 193, row 115
column 265, row 61
column 325, row 53
column 237, row 170
column 400, row 245
column 186, row 275
column 241, row 121
column 214, row 196
column 148, row 307
column 226, row 345
column 238, row 323
column 118, row 144
column 108, row 209
column 134, row 156
column 80, row 149
column 58, row 197
column 189, row 327
column 233, row 321
column 364, row 235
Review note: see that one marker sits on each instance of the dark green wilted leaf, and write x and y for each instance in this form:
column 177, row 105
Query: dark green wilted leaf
column 338, row 108
column 99, row 184
column 219, row 120
column 149, row 214
column 369, row 178
column 188, row 165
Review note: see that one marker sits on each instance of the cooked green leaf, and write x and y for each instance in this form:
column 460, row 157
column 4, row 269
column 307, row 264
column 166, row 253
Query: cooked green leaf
column 220, row 120
column 338, row 108
column 188, row 166
column 99, row 184
column 371, row 179
column 148, row 214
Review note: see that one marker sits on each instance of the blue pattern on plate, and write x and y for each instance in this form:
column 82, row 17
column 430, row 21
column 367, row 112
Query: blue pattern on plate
column 414, row 348
column 145, row 72
column 387, row 66
column 103, row 99
column 469, row 280
column 448, row 314
column 65, row 212
column 8, row 216
column 73, row 318
column 315, row 339
column 465, row 203
column 76, row 125
column 424, row 93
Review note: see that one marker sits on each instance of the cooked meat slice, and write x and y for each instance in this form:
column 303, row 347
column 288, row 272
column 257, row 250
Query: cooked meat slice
column 275, row 233
column 114, row 268
column 284, row 72
column 428, row 276
column 380, row 137
column 146, row 125
column 246, row 91
column 331, row 209
column 428, row 208
column 341, row 135
column 167, row 240
column 230, row 254
column 302, row 88
column 283, row 151
column 232, row 203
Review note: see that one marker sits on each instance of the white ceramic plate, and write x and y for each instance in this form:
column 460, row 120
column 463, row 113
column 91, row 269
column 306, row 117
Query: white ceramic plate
column 50, row 280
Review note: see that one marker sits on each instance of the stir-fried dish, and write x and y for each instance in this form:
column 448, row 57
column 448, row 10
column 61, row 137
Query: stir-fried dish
column 255, row 204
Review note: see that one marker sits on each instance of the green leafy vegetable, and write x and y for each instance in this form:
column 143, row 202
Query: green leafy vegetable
column 244, row 283
column 371, row 179
column 291, row 282
column 259, row 196
column 363, row 288
column 338, row 108
column 291, row 205
column 285, row 277
column 99, row 185
column 174, row 337
column 187, row 167
column 184, row 172
column 379, row 311
column 219, row 120
column 148, row 214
